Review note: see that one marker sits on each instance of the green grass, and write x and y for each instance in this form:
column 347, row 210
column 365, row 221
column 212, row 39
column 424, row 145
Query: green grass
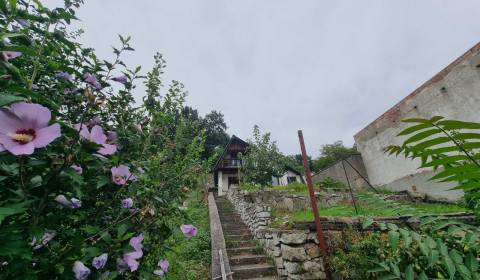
column 343, row 210
column 190, row 257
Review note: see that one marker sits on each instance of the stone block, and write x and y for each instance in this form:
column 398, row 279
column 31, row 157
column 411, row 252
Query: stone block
column 292, row 267
column 308, row 276
column 313, row 251
column 263, row 215
column 311, row 266
column 294, row 238
column 293, row 253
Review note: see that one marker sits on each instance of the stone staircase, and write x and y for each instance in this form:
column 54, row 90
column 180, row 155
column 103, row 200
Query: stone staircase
column 247, row 261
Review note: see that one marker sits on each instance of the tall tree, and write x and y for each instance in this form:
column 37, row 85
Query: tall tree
column 216, row 134
column 262, row 160
column 331, row 153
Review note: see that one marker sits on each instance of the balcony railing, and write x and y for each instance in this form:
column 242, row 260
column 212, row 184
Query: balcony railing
column 232, row 163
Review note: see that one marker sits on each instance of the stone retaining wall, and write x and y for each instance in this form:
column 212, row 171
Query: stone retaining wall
column 295, row 252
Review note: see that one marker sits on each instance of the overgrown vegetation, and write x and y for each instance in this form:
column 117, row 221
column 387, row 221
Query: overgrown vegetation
column 262, row 160
column 191, row 259
column 92, row 183
column 440, row 248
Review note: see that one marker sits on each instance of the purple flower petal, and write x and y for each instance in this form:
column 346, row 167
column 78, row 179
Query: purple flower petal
column 189, row 230
column 136, row 242
column 97, row 135
column 160, row 273
column 80, row 270
column 164, row 265
column 64, row 76
column 77, row 168
column 76, row 203
column 131, row 259
column 46, row 135
column 107, row 149
column 127, row 203
column 121, row 79
column 7, row 55
column 32, row 115
column 62, row 200
column 120, row 174
column 100, row 261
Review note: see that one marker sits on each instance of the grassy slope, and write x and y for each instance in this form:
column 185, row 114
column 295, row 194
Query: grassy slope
column 348, row 211
column 190, row 257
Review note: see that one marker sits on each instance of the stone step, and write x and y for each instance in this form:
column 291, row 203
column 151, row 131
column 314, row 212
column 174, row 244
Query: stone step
column 252, row 250
column 262, row 278
column 247, row 259
column 253, row 270
column 240, row 243
column 239, row 236
column 232, row 227
column 236, row 231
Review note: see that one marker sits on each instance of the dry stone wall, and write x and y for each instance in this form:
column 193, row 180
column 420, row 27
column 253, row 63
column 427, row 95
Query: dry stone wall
column 295, row 252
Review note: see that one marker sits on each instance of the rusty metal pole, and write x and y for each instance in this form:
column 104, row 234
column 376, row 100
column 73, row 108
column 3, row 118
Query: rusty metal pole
column 313, row 202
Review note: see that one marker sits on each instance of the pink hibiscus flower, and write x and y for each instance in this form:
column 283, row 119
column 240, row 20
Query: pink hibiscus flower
column 131, row 258
column 96, row 135
column 24, row 127
column 121, row 174
column 189, row 230
column 7, row 55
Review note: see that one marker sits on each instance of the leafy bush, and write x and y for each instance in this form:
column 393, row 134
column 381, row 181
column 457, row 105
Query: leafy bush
column 89, row 178
column 449, row 146
column 439, row 248
column 330, row 183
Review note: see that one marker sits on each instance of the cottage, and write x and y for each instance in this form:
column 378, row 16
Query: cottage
column 290, row 176
column 226, row 172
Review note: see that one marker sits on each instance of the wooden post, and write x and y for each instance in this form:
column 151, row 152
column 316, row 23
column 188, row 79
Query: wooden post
column 313, row 202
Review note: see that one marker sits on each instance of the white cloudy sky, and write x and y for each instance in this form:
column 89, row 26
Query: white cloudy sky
column 327, row 67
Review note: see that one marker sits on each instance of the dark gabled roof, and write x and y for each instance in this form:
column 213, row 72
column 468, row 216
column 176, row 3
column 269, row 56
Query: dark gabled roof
column 232, row 139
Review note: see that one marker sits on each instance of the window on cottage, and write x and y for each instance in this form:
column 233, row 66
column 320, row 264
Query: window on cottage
column 291, row 179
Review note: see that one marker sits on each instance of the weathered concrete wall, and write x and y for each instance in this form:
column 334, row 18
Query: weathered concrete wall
column 452, row 93
column 337, row 172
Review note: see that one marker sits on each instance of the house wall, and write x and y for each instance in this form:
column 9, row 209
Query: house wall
column 337, row 172
column 453, row 93
column 283, row 181
column 223, row 182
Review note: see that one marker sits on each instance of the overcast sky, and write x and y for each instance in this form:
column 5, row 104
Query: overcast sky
column 327, row 67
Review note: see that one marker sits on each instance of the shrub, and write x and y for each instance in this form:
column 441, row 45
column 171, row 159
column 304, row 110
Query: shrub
column 89, row 177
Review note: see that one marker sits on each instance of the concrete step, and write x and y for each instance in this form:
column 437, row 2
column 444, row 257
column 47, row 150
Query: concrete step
column 239, row 243
column 236, row 231
column 253, row 270
column 262, row 278
column 247, row 236
column 247, row 259
column 252, row 250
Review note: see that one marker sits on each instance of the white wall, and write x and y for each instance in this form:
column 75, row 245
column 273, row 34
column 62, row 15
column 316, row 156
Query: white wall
column 283, row 181
column 454, row 95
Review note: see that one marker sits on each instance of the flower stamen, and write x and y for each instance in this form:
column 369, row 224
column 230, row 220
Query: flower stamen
column 22, row 136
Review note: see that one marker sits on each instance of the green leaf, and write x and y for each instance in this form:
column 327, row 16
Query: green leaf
column 414, row 128
column 7, row 99
column 454, row 125
column 471, row 262
column 422, row 135
column 393, row 237
column 429, row 143
column 422, row 276
column 447, row 261
column 446, row 160
column 409, row 272
column 433, row 258
column 12, row 209
column 367, row 223
column 464, row 272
